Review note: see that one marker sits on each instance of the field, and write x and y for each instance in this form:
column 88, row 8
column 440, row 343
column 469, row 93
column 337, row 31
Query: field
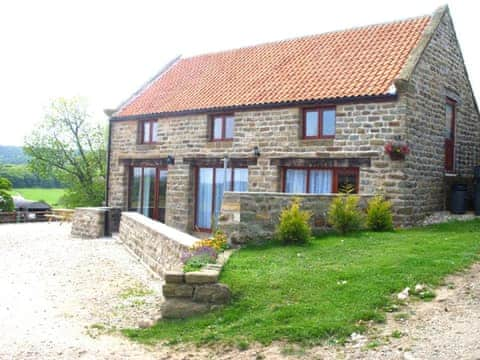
column 50, row 196
column 326, row 290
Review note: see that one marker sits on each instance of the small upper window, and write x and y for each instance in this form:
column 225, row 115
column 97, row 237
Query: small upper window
column 148, row 131
column 222, row 127
column 319, row 123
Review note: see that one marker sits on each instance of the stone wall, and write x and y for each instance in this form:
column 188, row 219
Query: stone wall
column 95, row 222
column 439, row 73
column 196, row 292
column 158, row 245
column 89, row 222
column 250, row 217
column 362, row 131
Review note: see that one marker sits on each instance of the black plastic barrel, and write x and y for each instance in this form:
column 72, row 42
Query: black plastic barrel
column 459, row 199
column 476, row 173
column 476, row 197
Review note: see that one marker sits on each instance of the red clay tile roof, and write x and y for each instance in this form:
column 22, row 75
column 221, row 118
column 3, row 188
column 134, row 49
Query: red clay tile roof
column 344, row 64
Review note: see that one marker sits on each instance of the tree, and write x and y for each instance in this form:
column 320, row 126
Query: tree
column 70, row 147
column 6, row 201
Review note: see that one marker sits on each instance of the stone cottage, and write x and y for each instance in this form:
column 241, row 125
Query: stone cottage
column 308, row 115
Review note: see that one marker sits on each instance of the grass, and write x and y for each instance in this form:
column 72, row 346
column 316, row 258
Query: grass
column 326, row 290
column 135, row 291
column 50, row 196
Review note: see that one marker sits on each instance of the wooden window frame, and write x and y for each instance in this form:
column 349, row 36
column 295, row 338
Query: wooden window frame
column 224, row 126
column 142, row 132
column 450, row 163
column 336, row 172
column 319, row 111
column 196, row 183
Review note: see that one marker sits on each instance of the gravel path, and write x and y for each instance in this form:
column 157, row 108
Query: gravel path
column 64, row 298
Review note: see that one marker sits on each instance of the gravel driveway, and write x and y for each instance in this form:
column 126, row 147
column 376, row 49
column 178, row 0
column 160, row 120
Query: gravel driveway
column 59, row 294
column 65, row 298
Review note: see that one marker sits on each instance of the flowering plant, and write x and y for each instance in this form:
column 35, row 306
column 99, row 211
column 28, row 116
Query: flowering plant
column 204, row 252
column 218, row 241
column 394, row 148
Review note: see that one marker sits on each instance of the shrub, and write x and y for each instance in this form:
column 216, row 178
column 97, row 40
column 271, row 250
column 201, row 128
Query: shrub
column 198, row 257
column 218, row 241
column 379, row 214
column 5, row 184
column 344, row 214
column 6, row 201
column 294, row 224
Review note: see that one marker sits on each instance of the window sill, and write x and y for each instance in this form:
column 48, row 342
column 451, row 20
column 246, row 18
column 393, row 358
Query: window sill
column 318, row 141
column 147, row 146
column 219, row 144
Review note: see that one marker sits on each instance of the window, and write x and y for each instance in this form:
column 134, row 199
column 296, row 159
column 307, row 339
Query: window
column 450, row 135
column 319, row 123
column 148, row 131
column 210, row 188
column 320, row 181
column 222, row 127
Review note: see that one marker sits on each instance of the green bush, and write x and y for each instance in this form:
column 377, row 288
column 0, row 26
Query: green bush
column 5, row 184
column 344, row 214
column 6, row 201
column 379, row 214
column 294, row 225
column 198, row 257
column 196, row 262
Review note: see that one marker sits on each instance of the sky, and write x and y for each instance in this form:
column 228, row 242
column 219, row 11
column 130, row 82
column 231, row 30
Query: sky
column 105, row 50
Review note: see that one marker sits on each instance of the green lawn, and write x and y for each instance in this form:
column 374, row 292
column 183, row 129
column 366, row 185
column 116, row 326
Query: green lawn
column 297, row 293
column 50, row 196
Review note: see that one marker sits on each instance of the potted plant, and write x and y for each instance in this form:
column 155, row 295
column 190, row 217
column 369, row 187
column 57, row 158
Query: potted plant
column 397, row 150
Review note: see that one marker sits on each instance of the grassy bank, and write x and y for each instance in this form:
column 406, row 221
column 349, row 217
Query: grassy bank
column 50, row 196
column 327, row 289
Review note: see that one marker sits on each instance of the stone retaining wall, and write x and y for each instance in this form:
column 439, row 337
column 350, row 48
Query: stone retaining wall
column 253, row 216
column 89, row 222
column 158, row 245
column 193, row 293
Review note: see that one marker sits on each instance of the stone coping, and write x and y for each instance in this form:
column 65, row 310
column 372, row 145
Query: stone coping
column 165, row 230
column 282, row 194
column 92, row 209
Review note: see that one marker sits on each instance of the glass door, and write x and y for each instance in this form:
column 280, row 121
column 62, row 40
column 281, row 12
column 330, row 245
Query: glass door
column 148, row 195
column 147, row 191
column 161, row 195
column 211, row 184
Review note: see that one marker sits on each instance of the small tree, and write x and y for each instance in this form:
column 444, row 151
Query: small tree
column 294, row 224
column 5, row 184
column 344, row 214
column 379, row 214
column 6, row 201
column 72, row 149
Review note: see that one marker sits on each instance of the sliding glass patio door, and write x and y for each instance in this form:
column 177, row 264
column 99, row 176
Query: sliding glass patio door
column 211, row 184
column 147, row 191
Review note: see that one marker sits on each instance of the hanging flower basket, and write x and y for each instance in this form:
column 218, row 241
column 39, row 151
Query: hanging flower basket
column 396, row 150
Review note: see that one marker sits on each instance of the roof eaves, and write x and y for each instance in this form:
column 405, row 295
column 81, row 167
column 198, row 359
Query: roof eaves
column 246, row 107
